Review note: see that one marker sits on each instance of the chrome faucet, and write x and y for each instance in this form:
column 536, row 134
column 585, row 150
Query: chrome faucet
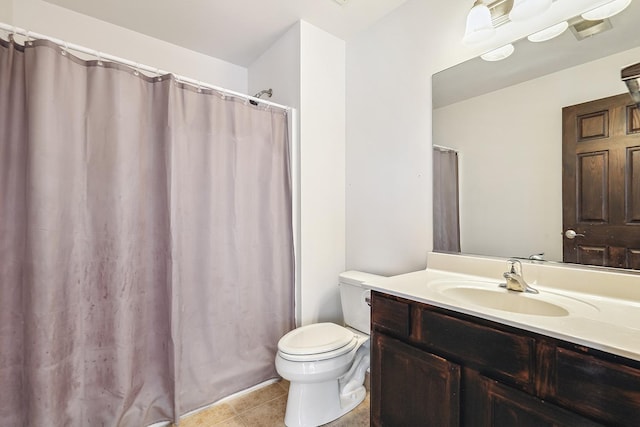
column 515, row 280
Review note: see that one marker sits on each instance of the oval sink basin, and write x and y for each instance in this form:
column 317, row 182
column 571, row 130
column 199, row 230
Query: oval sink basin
column 490, row 296
column 506, row 301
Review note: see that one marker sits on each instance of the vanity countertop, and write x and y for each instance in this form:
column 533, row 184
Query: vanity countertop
column 602, row 322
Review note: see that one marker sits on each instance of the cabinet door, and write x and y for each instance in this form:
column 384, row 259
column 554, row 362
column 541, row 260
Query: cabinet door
column 605, row 390
column 489, row 403
column 411, row 387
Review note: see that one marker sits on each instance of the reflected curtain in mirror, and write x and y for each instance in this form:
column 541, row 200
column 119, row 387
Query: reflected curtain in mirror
column 446, row 222
column 146, row 249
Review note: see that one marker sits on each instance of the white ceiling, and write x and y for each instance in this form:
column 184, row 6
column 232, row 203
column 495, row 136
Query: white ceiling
column 237, row 31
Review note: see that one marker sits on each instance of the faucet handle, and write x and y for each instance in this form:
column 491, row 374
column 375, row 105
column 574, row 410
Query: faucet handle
column 537, row 257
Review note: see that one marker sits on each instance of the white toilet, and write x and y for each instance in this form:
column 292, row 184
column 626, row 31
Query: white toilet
column 326, row 363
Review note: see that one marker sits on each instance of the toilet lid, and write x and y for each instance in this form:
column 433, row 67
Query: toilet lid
column 316, row 338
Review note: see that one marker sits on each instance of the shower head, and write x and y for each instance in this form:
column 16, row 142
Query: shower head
column 267, row 92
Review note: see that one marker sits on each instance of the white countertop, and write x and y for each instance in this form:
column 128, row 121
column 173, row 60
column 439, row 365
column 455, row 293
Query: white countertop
column 605, row 323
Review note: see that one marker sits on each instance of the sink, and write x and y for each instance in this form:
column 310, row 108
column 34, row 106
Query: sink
column 501, row 299
column 490, row 296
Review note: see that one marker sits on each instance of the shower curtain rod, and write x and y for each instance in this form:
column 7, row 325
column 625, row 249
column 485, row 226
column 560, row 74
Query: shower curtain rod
column 443, row 148
column 134, row 65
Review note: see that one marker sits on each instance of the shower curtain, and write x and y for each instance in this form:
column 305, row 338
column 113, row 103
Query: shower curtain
column 446, row 216
column 146, row 249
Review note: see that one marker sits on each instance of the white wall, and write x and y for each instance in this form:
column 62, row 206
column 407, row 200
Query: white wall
column 6, row 11
column 511, row 157
column 55, row 21
column 278, row 68
column 389, row 68
column 322, row 172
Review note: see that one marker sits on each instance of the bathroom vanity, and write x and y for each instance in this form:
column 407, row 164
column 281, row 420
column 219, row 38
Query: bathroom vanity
column 441, row 361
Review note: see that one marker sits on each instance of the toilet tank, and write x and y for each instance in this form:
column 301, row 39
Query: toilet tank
column 354, row 296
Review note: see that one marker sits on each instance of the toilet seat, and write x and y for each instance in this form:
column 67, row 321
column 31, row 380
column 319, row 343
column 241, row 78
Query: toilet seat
column 319, row 341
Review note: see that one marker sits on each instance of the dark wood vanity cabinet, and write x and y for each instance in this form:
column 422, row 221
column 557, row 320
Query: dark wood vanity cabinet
column 434, row 367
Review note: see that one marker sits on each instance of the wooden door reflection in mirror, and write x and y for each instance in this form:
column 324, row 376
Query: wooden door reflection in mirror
column 601, row 183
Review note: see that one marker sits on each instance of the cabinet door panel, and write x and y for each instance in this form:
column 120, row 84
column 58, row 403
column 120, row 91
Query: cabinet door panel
column 411, row 387
column 595, row 387
column 390, row 315
column 487, row 403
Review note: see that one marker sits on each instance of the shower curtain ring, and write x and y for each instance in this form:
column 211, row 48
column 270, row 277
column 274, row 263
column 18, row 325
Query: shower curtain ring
column 99, row 55
column 29, row 42
column 199, row 88
column 159, row 75
column 135, row 70
column 64, row 49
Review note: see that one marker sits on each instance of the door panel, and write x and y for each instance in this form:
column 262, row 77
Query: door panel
column 420, row 389
column 633, row 119
column 593, row 125
column 633, row 185
column 593, row 187
column 601, row 182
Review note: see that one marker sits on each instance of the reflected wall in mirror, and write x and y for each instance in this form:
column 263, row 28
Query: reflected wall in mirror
column 505, row 120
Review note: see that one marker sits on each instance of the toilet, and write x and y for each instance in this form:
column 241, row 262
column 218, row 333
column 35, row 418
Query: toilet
column 326, row 363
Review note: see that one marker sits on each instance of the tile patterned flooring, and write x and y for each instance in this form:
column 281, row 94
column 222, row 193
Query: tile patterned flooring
column 264, row 407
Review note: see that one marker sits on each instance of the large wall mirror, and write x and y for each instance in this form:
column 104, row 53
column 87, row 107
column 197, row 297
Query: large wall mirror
column 504, row 119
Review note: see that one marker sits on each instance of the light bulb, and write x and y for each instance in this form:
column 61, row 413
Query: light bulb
column 606, row 10
column 479, row 25
column 549, row 33
column 499, row 53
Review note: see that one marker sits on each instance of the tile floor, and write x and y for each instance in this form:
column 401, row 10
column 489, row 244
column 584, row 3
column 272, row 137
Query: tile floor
column 264, row 407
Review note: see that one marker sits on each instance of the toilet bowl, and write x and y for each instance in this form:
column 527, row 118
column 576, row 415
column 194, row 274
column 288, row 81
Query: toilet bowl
column 326, row 363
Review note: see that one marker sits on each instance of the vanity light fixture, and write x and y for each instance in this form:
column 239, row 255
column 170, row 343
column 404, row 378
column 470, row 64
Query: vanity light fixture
column 479, row 25
column 549, row 33
column 606, row 10
column 499, row 53
column 631, row 76
column 487, row 15
column 526, row 9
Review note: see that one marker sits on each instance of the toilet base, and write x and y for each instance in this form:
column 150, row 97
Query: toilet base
column 314, row 404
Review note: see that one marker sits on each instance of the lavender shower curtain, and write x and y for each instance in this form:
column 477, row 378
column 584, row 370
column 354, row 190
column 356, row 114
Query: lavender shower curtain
column 446, row 209
column 146, row 255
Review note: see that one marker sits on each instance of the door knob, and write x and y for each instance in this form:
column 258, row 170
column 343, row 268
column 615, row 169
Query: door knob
column 571, row 234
